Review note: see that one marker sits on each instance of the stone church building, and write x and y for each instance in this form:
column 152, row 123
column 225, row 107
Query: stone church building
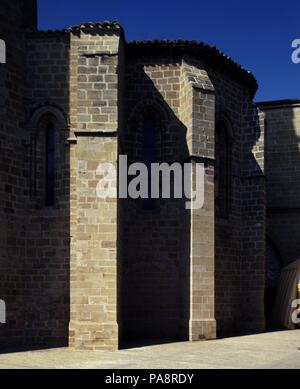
column 90, row 273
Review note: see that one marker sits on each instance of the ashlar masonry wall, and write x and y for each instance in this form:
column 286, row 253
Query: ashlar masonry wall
column 283, row 177
column 95, row 65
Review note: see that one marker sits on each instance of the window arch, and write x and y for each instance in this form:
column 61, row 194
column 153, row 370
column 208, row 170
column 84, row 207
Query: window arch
column 152, row 110
column 223, row 170
column 48, row 127
column 145, row 138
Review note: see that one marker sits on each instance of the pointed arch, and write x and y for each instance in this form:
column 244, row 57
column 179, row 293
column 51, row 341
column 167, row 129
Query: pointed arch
column 47, row 126
column 152, row 105
column 145, row 137
column 44, row 110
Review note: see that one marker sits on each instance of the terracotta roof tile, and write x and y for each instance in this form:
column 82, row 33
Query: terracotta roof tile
column 106, row 25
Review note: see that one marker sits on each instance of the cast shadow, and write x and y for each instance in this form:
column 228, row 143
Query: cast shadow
column 153, row 267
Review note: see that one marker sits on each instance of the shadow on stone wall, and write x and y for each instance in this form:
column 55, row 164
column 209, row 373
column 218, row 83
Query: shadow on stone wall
column 240, row 238
column 283, row 189
column 35, row 239
column 155, row 243
column 283, row 181
column 253, row 224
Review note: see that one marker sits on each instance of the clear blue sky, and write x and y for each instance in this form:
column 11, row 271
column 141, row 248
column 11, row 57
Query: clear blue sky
column 257, row 34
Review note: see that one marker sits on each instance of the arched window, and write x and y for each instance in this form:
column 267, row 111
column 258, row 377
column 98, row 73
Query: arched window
column 223, row 171
column 149, row 130
column 50, row 165
column 48, row 127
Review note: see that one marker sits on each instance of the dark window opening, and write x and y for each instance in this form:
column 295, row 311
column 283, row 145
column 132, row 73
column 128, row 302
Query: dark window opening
column 223, row 171
column 50, row 164
column 149, row 129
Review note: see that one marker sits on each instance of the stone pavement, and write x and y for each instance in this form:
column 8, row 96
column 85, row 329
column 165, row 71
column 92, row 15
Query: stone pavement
column 270, row 350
